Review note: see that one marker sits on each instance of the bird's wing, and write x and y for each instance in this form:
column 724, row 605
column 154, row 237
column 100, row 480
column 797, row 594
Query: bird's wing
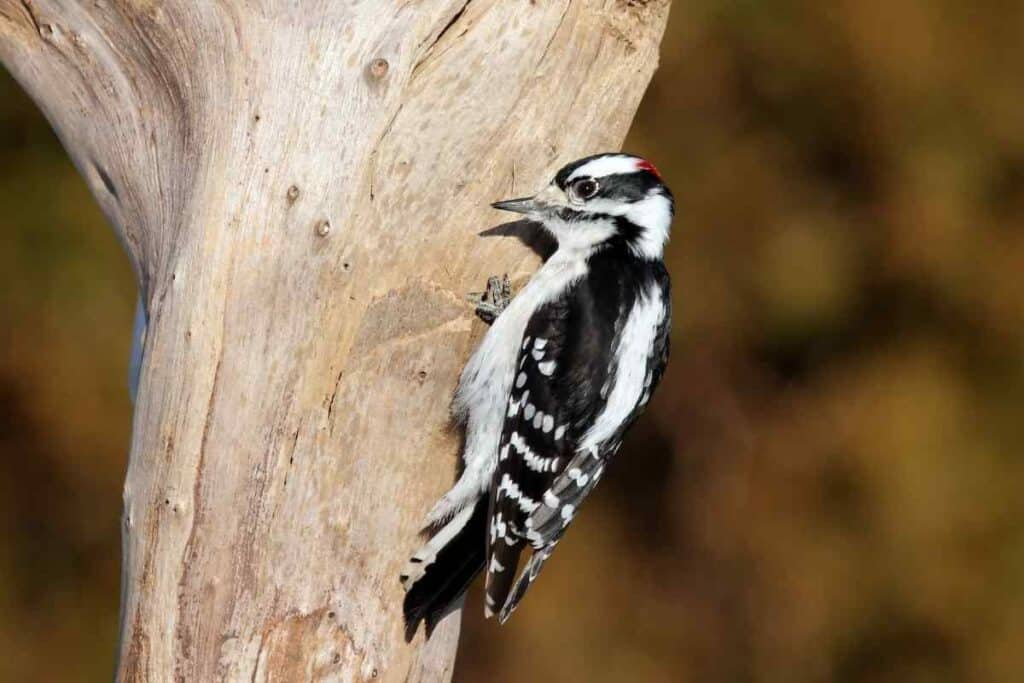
column 641, row 350
column 535, row 444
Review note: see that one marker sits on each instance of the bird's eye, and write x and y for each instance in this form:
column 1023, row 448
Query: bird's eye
column 583, row 189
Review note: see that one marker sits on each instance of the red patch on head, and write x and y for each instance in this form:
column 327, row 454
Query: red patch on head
column 644, row 165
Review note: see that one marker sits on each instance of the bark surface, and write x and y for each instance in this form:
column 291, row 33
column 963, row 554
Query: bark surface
column 299, row 186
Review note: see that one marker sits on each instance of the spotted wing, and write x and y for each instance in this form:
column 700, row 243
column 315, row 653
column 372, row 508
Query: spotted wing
column 641, row 354
column 536, row 442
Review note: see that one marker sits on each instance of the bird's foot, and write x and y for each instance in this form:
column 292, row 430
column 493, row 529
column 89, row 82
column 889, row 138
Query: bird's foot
column 495, row 299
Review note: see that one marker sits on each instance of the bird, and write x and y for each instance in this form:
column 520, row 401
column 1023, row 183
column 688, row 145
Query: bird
column 565, row 368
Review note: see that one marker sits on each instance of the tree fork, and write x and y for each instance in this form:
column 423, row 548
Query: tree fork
column 299, row 187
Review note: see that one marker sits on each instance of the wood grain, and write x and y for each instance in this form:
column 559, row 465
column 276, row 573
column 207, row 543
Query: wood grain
column 300, row 187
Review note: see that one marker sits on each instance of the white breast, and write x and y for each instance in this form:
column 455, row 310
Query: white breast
column 487, row 379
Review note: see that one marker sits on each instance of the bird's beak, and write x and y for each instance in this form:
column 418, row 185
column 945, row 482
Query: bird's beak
column 525, row 205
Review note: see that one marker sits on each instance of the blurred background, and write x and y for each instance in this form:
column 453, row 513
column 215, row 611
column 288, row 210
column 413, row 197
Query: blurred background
column 828, row 485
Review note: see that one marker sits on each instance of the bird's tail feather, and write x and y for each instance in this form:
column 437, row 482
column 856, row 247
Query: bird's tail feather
column 439, row 573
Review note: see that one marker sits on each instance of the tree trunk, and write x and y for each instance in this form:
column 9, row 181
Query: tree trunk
column 299, row 186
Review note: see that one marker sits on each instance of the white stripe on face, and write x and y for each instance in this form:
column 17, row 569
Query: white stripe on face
column 654, row 214
column 606, row 166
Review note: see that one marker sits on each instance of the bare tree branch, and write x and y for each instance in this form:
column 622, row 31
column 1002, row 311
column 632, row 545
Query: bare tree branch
column 300, row 186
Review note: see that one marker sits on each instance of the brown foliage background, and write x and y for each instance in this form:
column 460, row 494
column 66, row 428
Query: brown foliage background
column 826, row 487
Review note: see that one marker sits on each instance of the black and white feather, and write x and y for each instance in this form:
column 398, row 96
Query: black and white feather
column 556, row 382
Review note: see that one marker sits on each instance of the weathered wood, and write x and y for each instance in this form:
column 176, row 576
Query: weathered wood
column 299, row 186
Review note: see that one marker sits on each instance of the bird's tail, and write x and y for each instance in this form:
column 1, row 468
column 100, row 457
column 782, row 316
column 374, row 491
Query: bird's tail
column 440, row 572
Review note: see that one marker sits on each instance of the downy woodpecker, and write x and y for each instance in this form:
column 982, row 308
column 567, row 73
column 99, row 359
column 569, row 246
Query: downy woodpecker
column 561, row 374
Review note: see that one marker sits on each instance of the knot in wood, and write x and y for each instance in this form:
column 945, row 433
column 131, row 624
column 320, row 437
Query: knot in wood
column 323, row 228
column 378, row 68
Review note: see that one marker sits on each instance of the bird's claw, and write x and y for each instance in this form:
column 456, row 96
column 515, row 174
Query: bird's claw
column 495, row 299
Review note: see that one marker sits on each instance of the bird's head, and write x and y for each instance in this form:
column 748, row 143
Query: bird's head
column 601, row 199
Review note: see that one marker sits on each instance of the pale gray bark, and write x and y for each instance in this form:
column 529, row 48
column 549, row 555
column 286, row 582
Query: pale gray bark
column 299, row 186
